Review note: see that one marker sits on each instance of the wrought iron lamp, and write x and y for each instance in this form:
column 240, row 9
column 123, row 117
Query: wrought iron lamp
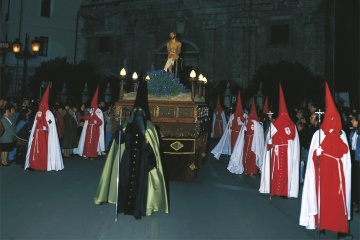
column 25, row 53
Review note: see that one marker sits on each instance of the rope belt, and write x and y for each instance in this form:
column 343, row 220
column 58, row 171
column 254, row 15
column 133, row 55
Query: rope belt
column 341, row 189
column 220, row 127
column 37, row 141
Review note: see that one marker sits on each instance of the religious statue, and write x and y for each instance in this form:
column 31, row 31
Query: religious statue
column 173, row 48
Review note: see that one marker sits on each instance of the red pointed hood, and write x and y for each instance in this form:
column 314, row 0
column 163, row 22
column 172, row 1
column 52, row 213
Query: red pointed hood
column 282, row 105
column 253, row 113
column 332, row 119
column 266, row 106
column 94, row 101
column 283, row 118
column 44, row 103
column 239, row 112
column 218, row 106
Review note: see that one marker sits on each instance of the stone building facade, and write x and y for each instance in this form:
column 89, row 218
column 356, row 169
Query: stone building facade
column 223, row 40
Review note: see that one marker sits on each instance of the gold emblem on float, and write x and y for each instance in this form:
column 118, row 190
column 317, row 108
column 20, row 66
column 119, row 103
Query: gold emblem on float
column 176, row 145
column 192, row 167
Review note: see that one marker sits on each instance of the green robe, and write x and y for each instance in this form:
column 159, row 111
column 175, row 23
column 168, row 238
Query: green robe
column 156, row 196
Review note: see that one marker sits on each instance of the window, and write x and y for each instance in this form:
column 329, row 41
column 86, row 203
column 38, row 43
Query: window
column 44, row 46
column 45, row 8
column 280, row 34
column 105, row 44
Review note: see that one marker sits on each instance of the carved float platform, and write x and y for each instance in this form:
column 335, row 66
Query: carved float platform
column 184, row 127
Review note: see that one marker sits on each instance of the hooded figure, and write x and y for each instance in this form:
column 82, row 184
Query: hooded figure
column 141, row 188
column 232, row 141
column 280, row 168
column 327, row 195
column 92, row 141
column 219, row 121
column 44, row 151
column 254, row 143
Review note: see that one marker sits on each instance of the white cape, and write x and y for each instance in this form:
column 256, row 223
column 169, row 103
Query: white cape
column 223, row 146
column 309, row 202
column 257, row 145
column 293, row 165
column 54, row 156
column 101, row 144
column 224, row 123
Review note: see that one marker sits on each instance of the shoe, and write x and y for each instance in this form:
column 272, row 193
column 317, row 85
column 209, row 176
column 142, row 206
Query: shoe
column 103, row 153
column 344, row 236
column 252, row 176
column 30, row 169
column 5, row 165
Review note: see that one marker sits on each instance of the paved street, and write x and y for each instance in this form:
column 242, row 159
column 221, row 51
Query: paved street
column 218, row 205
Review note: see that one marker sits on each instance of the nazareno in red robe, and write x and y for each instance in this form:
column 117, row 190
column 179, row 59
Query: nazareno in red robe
column 249, row 157
column 332, row 184
column 279, row 157
column 39, row 146
column 92, row 136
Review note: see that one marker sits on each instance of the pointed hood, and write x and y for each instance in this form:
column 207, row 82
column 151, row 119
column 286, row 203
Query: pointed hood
column 332, row 119
column 282, row 105
column 266, row 106
column 44, row 103
column 218, row 106
column 253, row 113
column 94, row 101
column 141, row 100
column 239, row 112
column 283, row 118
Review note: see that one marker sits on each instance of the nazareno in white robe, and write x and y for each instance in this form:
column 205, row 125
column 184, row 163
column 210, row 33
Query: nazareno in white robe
column 54, row 156
column 101, row 144
column 309, row 204
column 224, row 123
column 293, row 165
column 223, row 146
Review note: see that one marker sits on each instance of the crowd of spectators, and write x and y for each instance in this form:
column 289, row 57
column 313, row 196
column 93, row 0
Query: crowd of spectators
column 17, row 121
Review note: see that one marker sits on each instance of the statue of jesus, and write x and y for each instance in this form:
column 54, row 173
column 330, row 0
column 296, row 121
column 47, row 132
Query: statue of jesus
column 173, row 47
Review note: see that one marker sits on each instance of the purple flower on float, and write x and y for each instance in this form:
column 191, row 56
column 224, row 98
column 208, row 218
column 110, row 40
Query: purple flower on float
column 162, row 83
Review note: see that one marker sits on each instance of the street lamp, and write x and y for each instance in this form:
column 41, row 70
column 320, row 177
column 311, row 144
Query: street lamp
column 192, row 79
column 25, row 54
column 135, row 79
column 122, row 78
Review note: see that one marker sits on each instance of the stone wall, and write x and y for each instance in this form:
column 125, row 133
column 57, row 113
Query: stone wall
column 224, row 40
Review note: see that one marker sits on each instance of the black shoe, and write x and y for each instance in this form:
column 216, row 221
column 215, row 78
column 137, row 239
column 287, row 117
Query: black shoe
column 30, row 169
column 346, row 236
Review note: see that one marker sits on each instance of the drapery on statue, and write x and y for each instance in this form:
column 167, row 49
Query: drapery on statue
column 173, row 47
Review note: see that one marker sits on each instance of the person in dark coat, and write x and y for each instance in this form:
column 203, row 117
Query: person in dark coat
column 70, row 138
